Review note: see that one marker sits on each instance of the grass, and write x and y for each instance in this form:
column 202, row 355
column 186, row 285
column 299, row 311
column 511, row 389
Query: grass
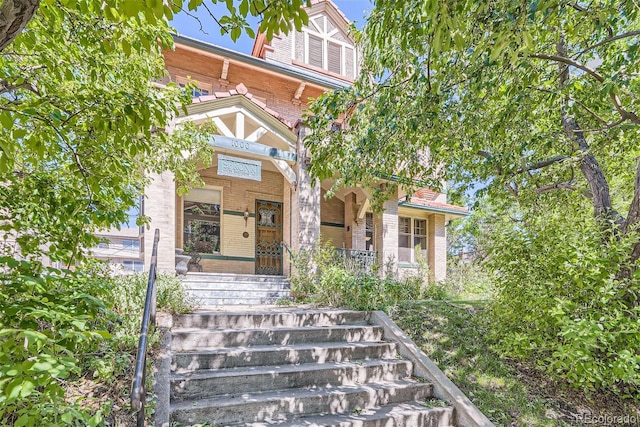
column 455, row 336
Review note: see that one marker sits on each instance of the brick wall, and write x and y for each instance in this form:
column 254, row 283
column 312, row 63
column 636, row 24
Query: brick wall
column 280, row 48
column 160, row 207
column 276, row 91
column 238, row 195
column 307, row 202
column 331, row 210
column 437, row 258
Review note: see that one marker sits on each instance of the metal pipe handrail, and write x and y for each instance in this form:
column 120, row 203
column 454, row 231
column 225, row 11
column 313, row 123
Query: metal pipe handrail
column 138, row 394
column 284, row 245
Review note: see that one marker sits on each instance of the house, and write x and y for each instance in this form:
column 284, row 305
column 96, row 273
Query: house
column 258, row 193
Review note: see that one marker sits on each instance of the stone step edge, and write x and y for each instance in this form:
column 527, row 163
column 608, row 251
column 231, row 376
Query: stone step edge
column 206, row 374
column 222, row 401
column 196, row 330
column 286, row 347
column 392, row 411
column 278, row 312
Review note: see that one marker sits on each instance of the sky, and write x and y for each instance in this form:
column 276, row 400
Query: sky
column 186, row 25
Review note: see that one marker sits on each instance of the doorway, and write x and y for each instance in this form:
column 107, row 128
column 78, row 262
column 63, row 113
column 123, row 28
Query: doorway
column 268, row 237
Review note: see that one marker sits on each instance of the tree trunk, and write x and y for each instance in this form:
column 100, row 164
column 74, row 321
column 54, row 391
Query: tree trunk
column 14, row 16
column 598, row 185
column 630, row 225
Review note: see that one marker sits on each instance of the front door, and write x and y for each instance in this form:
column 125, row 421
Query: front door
column 268, row 237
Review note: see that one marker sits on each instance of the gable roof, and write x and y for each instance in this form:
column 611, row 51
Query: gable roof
column 317, row 6
column 241, row 90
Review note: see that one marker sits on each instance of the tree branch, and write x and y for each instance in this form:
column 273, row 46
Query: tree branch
column 571, row 62
column 541, row 164
column 610, row 40
column 6, row 87
column 14, row 16
column 633, row 216
column 222, row 27
column 628, row 115
column 196, row 18
column 558, row 186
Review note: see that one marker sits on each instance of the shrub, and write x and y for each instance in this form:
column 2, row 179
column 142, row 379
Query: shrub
column 323, row 277
column 62, row 331
column 468, row 280
column 47, row 319
column 559, row 303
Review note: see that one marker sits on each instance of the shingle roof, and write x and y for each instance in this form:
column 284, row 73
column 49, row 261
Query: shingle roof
column 241, row 90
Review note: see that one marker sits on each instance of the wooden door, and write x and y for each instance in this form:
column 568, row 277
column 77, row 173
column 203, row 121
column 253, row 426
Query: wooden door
column 268, row 237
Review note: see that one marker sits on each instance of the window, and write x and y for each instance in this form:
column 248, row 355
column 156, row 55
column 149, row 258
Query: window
column 420, row 233
column 327, row 48
column 195, row 87
column 404, row 232
column 316, row 49
column 334, row 58
column 202, row 221
column 368, row 241
column 411, row 233
column 133, row 266
column 132, row 245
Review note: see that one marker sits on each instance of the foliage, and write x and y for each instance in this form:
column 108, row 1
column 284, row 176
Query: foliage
column 324, row 277
column 467, row 279
column 509, row 95
column 484, row 98
column 83, row 127
column 56, row 329
column 47, row 319
column 572, row 315
column 514, row 98
column 127, row 297
column 457, row 337
column 80, row 130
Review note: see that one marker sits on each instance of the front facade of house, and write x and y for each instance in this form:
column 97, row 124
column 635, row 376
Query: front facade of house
column 259, row 200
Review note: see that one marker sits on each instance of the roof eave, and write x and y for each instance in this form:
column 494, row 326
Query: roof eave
column 293, row 72
column 452, row 212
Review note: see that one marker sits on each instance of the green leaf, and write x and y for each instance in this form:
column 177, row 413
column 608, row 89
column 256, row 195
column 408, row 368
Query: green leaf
column 244, row 7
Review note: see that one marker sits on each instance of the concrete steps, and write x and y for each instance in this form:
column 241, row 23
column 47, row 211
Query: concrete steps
column 215, row 289
column 293, row 367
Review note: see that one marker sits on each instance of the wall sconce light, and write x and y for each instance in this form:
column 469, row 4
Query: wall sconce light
column 246, row 216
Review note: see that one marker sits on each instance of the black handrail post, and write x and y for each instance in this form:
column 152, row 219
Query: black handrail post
column 138, row 394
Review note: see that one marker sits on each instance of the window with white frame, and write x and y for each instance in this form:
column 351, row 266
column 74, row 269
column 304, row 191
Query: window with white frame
column 326, row 47
column 131, row 244
column 133, row 266
column 412, row 232
column 369, row 243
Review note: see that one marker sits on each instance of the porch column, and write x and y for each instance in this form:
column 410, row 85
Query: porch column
column 306, row 202
column 437, row 254
column 355, row 228
column 160, row 206
column 359, row 234
column 386, row 235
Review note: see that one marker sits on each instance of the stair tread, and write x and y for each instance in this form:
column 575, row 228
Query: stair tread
column 287, row 347
column 356, row 419
column 288, row 394
column 283, row 369
column 182, row 330
column 260, row 312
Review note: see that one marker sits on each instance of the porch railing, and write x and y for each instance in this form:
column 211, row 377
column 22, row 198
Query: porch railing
column 138, row 393
column 358, row 259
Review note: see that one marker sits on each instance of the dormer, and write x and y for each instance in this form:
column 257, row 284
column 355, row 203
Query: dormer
column 323, row 45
